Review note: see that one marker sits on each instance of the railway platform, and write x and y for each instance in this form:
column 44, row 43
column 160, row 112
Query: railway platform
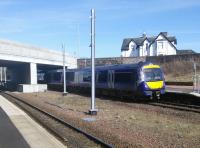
column 18, row 130
column 182, row 90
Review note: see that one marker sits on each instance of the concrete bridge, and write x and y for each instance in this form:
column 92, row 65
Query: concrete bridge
column 23, row 61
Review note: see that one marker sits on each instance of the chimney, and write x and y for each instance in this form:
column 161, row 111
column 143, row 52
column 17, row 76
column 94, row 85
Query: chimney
column 144, row 35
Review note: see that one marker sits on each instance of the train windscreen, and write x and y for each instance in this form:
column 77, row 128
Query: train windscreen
column 152, row 74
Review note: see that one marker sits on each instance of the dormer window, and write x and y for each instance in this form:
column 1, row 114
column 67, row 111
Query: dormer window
column 132, row 45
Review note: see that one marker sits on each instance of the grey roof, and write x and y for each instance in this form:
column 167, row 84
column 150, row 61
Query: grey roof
column 139, row 41
column 186, row 51
column 126, row 41
column 172, row 39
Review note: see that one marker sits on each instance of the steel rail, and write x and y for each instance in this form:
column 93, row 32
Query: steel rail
column 180, row 104
column 91, row 137
column 176, row 107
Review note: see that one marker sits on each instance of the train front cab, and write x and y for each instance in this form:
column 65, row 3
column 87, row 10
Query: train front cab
column 152, row 81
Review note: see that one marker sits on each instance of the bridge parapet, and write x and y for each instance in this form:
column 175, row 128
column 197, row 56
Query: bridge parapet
column 26, row 53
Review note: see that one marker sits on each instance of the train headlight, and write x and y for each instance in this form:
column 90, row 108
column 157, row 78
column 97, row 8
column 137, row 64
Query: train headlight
column 146, row 86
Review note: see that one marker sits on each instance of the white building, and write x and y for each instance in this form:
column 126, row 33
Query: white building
column 149, row 46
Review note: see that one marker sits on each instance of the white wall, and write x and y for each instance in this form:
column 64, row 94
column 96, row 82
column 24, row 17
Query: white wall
column 132, row 50
column 164, row 47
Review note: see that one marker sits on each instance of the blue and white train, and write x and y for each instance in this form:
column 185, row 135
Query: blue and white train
column 141, row 79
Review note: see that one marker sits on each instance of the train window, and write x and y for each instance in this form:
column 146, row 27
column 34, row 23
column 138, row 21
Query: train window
column 70, row 76
column 8, row 77
column 87, row 76
column 47, row 77
column 102, row 76
column 124, row 77
column 40, row 76
column 57, row 76
column 152, row 74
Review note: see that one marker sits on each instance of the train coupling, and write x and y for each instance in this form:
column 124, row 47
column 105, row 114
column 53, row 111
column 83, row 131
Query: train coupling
column 155, row 95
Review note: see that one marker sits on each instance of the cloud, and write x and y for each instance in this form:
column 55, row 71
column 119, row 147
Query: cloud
column 149, row 6
column 38, row 19
column 64, row 12
column 5, row 2
column 167, row 5
column 10, row 2
column 119, row 9
column 60, row 18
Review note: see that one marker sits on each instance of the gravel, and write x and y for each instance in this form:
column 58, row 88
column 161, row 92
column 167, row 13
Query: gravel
column 121, row 123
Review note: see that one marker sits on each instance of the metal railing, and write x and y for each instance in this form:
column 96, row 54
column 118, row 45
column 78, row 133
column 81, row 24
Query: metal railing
column 196, row 83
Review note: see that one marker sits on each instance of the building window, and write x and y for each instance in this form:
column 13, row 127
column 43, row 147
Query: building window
column 160, row 45
column 125, row 76
column 146, row 52
column 132, row 46
column 146, row 46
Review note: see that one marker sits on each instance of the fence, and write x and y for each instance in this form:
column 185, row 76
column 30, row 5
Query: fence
column 196, row 83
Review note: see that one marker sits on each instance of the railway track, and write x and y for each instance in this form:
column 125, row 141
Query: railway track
column 57, row 122
column 176, row 106
column 183, row 103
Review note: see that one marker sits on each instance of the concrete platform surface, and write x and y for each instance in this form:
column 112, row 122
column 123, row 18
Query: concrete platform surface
column 182, row 90
column 17, row 129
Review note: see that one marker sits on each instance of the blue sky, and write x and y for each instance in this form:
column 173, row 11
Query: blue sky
column 50, row 23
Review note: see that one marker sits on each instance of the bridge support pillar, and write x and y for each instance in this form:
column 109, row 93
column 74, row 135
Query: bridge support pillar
column 33, row 73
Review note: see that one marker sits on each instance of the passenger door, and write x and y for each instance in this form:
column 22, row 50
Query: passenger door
column 111, row 79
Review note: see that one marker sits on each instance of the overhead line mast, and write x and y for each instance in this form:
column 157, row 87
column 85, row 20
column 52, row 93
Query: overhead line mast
column 64, row 73
column 93, row 111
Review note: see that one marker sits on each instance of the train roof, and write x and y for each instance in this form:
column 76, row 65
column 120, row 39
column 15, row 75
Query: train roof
column 109, row 67
column 117, row 66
